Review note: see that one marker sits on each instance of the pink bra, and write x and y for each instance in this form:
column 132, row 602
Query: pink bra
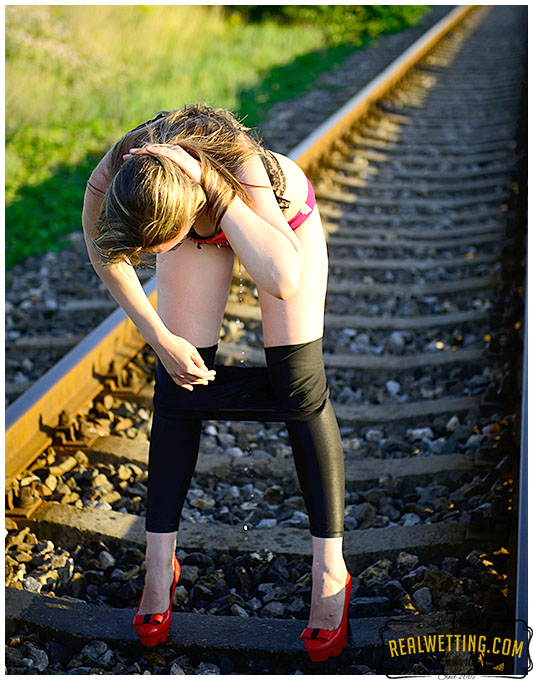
column 300, row 217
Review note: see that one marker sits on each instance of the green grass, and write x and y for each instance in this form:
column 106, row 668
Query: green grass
column 77, row 77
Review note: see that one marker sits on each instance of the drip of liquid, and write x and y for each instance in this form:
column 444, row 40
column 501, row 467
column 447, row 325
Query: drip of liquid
column 241, row 294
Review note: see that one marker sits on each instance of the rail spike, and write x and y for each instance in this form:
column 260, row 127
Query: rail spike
column 20, row 501
column 71, row 432
column 124, row 382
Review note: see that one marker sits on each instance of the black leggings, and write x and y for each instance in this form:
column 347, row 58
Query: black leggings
column 292, row 389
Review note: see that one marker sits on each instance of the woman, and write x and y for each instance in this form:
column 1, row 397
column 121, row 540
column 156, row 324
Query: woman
column 193, row 187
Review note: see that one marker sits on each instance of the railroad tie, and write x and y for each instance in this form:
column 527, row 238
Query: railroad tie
column 73, row 619
column 68, row 526
column 359, row 473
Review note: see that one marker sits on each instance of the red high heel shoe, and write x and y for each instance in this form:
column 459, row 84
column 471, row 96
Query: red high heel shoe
column 321, row 643
column 153, row 629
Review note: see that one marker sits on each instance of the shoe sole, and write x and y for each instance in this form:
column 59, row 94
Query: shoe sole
column 153, row 641
column 326, row 654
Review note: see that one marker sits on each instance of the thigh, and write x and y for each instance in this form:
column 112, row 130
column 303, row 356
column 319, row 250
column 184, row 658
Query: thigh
column 192, row 291
column 300, row 318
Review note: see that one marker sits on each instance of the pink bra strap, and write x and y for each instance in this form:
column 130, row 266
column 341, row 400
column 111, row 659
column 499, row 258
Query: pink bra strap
column 306, row 210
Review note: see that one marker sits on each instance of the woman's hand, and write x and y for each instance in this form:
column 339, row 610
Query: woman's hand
column 186, row 162
column 183, row 362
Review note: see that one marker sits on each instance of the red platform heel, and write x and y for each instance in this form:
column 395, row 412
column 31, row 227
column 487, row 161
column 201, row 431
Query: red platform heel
column 321, row 643
column 153, row 629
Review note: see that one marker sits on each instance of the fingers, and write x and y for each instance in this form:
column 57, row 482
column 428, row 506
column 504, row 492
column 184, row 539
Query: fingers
column 198, row 367
column 175, row 153
column 194, row 377
column 144, row 149
column 154, row 150
column 185, row 387
column 199, row 372
column 199, row 362
column 184, row 382
column 136, row 151
column 188, row 384
column 196, row 373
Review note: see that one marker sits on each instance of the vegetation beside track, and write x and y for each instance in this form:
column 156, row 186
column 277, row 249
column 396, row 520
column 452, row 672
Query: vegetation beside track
column 78, row 76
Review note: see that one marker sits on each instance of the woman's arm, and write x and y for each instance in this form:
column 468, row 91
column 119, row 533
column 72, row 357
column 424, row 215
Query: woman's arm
column 120, row 279
column 261, row 237
column 178, row 356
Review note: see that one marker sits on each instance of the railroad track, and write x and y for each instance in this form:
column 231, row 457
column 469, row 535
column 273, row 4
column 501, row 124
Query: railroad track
column 55, row 300
column 419, row 185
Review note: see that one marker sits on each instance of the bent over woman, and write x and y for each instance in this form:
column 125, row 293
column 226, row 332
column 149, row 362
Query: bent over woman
column 195, row 188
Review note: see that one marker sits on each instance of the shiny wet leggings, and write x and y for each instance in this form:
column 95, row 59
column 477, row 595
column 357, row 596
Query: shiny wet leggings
column 292, row 389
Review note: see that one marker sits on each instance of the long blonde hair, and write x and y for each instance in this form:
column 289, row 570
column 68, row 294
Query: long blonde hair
column 151, row 200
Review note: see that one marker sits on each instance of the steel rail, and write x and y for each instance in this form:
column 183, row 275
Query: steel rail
column 70, row 384
column 521, row 599
column 314, row 145
column 75, row 379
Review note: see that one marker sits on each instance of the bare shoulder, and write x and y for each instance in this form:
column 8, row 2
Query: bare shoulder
column 296, row 191
column 289, row 167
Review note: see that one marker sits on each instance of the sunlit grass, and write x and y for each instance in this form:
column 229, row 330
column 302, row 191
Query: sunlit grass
column 78, row 76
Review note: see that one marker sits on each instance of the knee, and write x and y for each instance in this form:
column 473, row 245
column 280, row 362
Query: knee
column 298, row 378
